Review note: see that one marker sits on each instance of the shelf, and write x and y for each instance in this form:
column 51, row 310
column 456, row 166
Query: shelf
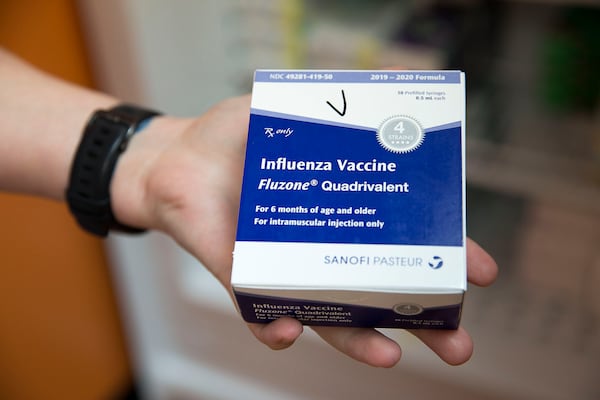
column 535, row 175
column 559, row 2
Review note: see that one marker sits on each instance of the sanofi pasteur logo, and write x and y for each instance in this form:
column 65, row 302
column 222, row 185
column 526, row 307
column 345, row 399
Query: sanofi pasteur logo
column 436, row 262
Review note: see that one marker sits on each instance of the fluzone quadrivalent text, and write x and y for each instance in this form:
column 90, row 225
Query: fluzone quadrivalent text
column 330, row 186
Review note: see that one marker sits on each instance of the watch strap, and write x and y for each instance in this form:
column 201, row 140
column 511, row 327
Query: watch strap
column 104, row 139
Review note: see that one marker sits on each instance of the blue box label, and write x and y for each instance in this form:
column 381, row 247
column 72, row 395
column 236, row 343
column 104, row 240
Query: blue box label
column 315, row 182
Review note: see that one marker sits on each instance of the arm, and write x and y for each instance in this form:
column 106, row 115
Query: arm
column 180, row 176
column 41, row 119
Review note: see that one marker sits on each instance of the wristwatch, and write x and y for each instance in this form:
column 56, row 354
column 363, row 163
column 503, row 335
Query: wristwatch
column 104, row 139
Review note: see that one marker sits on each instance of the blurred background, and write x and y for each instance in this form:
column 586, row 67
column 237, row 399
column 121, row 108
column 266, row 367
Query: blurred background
column 137, row 317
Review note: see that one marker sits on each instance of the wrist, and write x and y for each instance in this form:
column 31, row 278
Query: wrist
column 132, row 200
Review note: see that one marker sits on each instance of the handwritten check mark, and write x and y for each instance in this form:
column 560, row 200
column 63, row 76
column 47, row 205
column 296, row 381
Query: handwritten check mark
column 343, row 112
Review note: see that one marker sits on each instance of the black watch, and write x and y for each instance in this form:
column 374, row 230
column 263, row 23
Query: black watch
column 105, row 137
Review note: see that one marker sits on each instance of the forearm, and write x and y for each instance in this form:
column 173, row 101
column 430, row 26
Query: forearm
column 41, row 120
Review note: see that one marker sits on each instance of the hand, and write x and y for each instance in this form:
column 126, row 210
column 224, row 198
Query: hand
column 183, row 177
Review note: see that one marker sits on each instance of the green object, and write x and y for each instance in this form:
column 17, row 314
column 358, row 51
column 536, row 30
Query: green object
column 570, row 77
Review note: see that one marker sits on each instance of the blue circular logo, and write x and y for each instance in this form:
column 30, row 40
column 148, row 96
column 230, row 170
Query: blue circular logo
column 436, row 262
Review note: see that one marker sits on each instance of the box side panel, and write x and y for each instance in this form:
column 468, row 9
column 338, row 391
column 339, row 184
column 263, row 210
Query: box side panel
column 404, row 311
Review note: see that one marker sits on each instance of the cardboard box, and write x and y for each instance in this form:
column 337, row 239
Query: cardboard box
column 353, row 199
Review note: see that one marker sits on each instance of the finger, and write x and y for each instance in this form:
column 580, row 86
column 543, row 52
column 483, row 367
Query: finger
column 453, row 346
column 482, row 270
column 279, row 334
column 365, row 345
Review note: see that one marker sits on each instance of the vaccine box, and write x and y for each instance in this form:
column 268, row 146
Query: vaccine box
column 352, row 208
